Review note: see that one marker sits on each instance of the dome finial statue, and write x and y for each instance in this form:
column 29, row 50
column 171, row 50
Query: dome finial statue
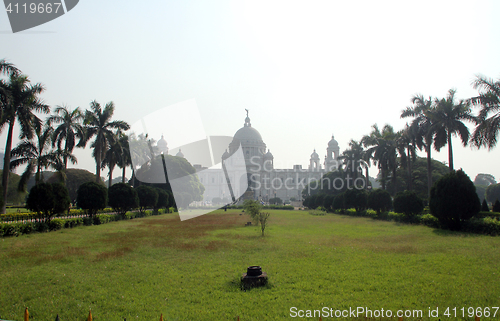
column 247, row 120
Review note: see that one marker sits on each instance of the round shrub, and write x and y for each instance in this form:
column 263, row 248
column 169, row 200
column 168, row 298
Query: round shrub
column 275, row 201
column 92, row 197
column 328, row 202
column 409, row 203
column 61, row 198
column 148, row 197
column 162, row 199
column 122, row 198
column 41, row 199
column 454, row 200
column 355, row 198
column 379, row 200
column 338, row 202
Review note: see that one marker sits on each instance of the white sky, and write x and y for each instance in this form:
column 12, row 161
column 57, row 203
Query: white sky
column 305, row 70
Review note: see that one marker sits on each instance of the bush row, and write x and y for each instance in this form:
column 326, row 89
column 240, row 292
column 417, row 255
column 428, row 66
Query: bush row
column 268, row 207
column 487, row 223
column 33, row 215
column 20, row 228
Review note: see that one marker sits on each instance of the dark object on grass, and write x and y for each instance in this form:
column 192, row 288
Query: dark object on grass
column 254, row 277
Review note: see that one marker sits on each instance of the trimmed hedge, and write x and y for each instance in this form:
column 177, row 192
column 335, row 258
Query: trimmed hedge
column 19, row 228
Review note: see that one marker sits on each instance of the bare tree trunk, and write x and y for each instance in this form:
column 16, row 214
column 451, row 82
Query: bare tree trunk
column 429, row 171
column 110, row 176
column 123, row 174
column 6, row 165
column 450, row 152
column 410, row 183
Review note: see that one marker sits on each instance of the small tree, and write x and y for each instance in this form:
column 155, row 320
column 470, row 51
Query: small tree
column 148, row 197
column 379, row 200
column 41, row 200
column 409, row 203
column 122, row 198
column 454, row 200
column 92, row 197
column 262, row 218
column 253, row 208
column 496, row 207
column 484, row 206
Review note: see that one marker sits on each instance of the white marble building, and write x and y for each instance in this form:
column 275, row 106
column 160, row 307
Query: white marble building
column 264, row 181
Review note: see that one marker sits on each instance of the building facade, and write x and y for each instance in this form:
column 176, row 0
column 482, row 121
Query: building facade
column 264, row 181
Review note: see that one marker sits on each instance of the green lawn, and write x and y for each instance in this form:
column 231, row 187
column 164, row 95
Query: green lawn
column 190, row 270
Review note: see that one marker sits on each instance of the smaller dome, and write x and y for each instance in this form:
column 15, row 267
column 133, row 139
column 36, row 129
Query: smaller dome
column 268, row 155
column 333, row 143
column 162, row 145
column 314, row 155
column 179, row 154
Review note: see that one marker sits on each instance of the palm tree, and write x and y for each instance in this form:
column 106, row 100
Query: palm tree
column 488, row 126
column 22, row 103
column 126, row 159
column 8, row 68
column 37, row 156
column 447, row 119
column 407, row 142
column 113, row 155
column 383, row 150
column 69, row 130
column 98, row 123
column 353, row 159
column 421, row 127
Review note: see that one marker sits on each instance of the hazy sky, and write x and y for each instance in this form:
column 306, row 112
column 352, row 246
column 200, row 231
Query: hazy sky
column 305, row 70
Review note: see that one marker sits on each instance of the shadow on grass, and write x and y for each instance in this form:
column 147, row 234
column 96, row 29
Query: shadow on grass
column 443, row 232
column 235, row 285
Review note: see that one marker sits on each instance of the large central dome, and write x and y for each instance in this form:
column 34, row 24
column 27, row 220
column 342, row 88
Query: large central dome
column 247, row 134
column 249, row 138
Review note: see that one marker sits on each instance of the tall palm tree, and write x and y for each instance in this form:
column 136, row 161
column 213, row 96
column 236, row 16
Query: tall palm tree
column 488, row 126
column 22, row 103
column 113, row 155
column 98, row 123
column 353, row 159
column 37, row 156
column 407, row 142
column 421, row 127
column 447, row 119
column 126, row 159
column 69, row 130
column 6, row 68
column 383, row 151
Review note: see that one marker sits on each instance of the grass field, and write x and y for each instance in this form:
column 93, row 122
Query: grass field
column 190, row 270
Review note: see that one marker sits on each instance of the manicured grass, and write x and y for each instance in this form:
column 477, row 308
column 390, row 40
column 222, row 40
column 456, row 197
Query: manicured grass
column 190, row 270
